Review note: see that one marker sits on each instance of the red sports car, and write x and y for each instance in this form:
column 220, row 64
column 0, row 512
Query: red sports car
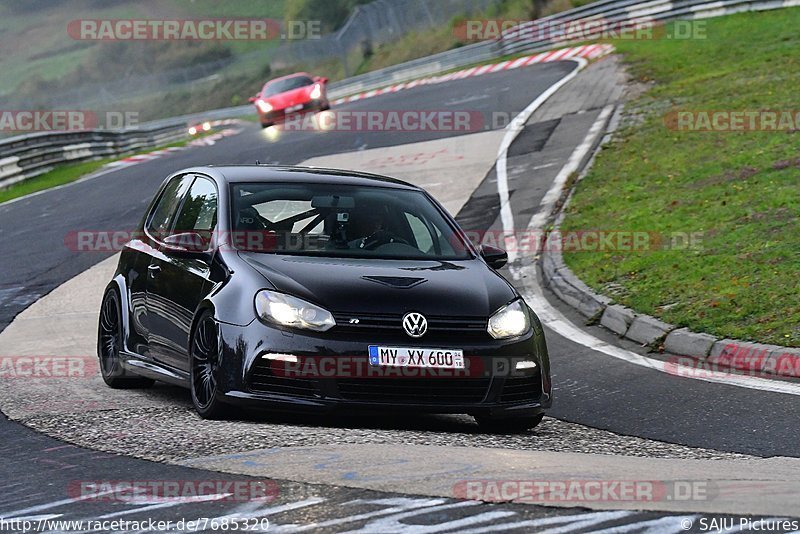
column 296, row 93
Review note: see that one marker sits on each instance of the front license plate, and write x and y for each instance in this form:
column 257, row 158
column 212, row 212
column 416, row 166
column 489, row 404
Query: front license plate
column 416, row 357
column 291, row 109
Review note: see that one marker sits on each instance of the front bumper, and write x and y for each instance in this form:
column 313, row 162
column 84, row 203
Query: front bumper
column 333, row 374
column 277, row 116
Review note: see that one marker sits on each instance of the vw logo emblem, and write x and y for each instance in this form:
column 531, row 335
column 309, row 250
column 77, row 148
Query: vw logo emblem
column 415, row 324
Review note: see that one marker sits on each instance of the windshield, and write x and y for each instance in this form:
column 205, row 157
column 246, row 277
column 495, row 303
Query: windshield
column 281, row 86
column 342, row 221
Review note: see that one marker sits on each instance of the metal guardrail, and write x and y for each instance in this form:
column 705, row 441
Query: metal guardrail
column 26, row 156
column 425, row 66
column 617, row 13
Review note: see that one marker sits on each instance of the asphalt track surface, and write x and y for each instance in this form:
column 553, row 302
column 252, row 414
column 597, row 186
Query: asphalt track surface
column 591, row 388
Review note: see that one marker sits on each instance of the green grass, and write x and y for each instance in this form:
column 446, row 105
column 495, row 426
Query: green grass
column 70, row 172
column 63, row 174
column 740, row 190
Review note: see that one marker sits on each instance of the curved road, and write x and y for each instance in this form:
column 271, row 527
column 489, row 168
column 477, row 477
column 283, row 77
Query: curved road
column 592, row 389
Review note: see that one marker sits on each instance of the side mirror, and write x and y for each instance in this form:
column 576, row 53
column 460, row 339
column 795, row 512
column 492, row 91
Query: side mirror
column 495, row 257
column 321, row 79
column 252, row 99
column 189, row 243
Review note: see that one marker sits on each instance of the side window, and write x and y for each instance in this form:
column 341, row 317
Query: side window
column 199, row 210
column 422, row 234
column 159, row 223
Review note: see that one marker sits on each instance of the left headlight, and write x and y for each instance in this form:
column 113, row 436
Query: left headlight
column 287, row 310
column 264, row 106
column 509, row 321
column 316, row 92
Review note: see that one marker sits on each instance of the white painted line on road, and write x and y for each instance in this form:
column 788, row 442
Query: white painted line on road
column 397, row 505
column 512, row 131
column 654, row 526
column 393, row 523
column 251, row 510
column 580, row 521
column 56, row 504
column 558, row 323
column 456, row 524
column 168, row 504
column 548, row 202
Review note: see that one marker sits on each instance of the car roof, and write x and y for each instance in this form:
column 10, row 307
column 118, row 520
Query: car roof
column 295, row 75
column 297, row 174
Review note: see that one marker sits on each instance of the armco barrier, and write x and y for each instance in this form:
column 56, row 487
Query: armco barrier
column 29, row 155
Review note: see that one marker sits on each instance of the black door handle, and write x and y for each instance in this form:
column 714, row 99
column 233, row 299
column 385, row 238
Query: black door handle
column 154, row 270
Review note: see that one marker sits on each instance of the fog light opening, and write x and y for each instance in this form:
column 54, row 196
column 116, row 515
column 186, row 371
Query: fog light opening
column 288, row 358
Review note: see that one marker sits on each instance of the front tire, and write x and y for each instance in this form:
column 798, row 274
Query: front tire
column 205, row 369
column 110, row 341
column 510, row 425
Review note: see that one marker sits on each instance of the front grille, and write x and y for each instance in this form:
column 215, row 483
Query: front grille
column 415, row 390
column 370, row 326
column 521, row 389
column 264, row 379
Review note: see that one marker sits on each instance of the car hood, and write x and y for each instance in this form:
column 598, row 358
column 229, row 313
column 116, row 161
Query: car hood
column 448, row 288
column 290, row 98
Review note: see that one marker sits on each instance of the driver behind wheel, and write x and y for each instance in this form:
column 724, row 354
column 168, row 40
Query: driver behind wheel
column 367, row 230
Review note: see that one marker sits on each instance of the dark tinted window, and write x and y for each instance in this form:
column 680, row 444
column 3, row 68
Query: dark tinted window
column 199, row 210
column 342, row 221
column 289, row 84
column 162, row 216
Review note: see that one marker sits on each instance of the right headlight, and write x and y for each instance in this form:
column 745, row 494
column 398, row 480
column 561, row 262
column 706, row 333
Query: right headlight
column 509, row 321
column 287, row 310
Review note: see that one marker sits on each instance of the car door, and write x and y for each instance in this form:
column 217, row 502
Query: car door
column 177, row 280
column 157, row 224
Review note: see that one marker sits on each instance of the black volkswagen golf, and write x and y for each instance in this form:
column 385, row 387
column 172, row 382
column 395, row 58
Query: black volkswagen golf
column 294, row 288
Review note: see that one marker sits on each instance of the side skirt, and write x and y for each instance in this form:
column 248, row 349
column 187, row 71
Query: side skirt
column 137, row 365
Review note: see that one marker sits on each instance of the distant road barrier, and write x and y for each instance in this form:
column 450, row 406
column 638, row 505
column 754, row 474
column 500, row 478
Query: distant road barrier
column 25, row 156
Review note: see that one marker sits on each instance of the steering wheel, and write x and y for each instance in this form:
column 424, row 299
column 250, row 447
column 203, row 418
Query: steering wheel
column 381, row 237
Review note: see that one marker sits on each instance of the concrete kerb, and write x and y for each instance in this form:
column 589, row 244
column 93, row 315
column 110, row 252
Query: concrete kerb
column 704, row 349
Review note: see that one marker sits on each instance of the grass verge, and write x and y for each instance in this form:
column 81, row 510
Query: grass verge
column 740, row 190
column 70, row 172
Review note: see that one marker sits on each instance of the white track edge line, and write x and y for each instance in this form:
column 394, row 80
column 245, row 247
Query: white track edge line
column 561, row 325
column 512, row 131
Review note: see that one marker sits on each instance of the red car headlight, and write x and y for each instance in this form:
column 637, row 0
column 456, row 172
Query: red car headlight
column 263, row 106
